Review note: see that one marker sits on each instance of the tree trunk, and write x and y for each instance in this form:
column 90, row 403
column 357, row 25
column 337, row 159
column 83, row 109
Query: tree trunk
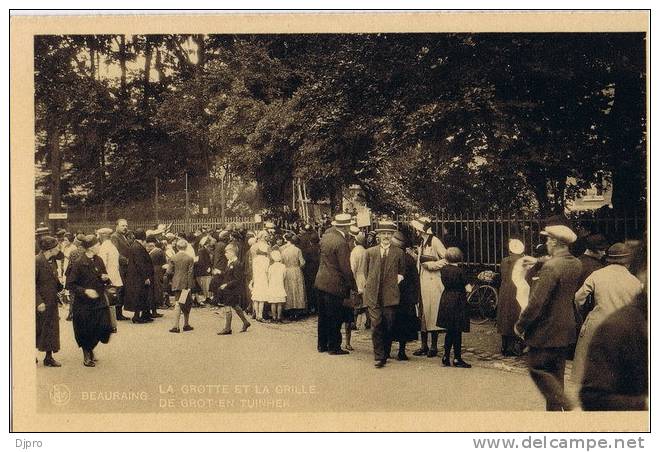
column 54, row 134
column 148, row 51
column 122, row 66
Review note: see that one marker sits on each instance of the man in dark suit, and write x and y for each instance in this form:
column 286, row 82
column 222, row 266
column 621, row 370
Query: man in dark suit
column 139, row 278
column 334, row 280
column 118, row 238
column 548, row 322
column 384, row 270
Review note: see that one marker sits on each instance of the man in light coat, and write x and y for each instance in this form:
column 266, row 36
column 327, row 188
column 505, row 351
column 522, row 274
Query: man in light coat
column 110, row 256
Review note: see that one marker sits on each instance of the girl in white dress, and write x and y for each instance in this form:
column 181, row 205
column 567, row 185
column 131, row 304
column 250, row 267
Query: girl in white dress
column 259, row 284
column 276, row 289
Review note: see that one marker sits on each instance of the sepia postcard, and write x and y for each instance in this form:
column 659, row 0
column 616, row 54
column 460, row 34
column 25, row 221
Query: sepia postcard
column 330, row 221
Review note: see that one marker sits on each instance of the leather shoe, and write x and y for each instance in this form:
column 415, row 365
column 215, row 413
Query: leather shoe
column 51, row 363
column 421, row 352
column 402, row 357
column 432, row 353
column 245, row 327
column 175, row 330
column 461, row 363
column 338, row 352
column 156, row 315
column 122, row 317
column 445, row 361
column 89, row 363
column 380, row 363
column 187, row 328
column 138, row 320
column 224, row 332
column 322, row 349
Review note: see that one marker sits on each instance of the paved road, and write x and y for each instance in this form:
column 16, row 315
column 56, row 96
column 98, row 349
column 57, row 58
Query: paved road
column 145, row 368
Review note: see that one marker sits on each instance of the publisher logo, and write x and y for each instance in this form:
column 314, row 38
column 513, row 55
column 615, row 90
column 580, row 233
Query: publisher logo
column 60, row 394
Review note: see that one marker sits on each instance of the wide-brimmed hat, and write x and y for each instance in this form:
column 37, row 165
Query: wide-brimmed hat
column 47, row 243
column 342, row 219
column 104, row 231
column 422, row 224
column 619, row 253
column 89, row 241
column 560, row 228
column 386, row 226
column 516, row 246
column 596, row 242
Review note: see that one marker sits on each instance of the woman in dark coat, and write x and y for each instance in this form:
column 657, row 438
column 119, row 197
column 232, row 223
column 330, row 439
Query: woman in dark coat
column 508, row 308
column 91, row 318
column 406, row 322
column 47, row 288
column 228, row 289
column 452, row 311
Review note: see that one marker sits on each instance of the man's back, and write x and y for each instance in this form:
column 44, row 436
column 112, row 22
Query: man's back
column 549, row 319
column 334, row 275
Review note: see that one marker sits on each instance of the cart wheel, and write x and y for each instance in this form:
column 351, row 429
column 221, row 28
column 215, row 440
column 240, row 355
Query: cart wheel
column 488, row 301
column 474, row 305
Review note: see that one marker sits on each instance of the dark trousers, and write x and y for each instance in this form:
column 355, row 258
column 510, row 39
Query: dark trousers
column 453, row 339
column 329, row 322
column 382, row 324
column 546, row 367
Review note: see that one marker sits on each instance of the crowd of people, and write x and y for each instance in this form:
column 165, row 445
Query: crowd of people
column 403, row 284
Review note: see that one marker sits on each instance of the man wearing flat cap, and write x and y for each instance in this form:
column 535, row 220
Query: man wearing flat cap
column 384, row 269
column 548, row 322
column 47, row 287
column 334, row 281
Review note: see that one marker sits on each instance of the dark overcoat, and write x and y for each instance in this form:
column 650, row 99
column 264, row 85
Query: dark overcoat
column 549, row 321
column 47, row 322
column 616, row 373
column 452, row 311
column 334, row 275
column 158, row 259
column 121, row 243
column 508, row 308
column 140, row 268
column 234, row 278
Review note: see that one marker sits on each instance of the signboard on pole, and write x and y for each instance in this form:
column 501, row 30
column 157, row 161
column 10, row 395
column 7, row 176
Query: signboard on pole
column 57, row 216
column 363, row 218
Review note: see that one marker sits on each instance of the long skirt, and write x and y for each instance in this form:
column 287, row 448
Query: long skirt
column 91, row 322
column 48, row 329
column 431, row 289
column 294, row 284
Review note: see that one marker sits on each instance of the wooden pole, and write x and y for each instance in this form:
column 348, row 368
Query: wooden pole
column 156, row 201
column 187, row 207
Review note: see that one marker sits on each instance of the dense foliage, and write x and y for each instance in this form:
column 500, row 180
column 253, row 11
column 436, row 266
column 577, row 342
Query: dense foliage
column 423, row 122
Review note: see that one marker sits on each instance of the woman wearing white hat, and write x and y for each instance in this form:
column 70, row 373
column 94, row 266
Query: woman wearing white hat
column 430, row 259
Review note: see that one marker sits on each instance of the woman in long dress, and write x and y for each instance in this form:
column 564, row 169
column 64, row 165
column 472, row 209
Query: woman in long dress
column 91, row 318
column 430, row 259
column 294, row 281
column 508, row 308
column 613, row 287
